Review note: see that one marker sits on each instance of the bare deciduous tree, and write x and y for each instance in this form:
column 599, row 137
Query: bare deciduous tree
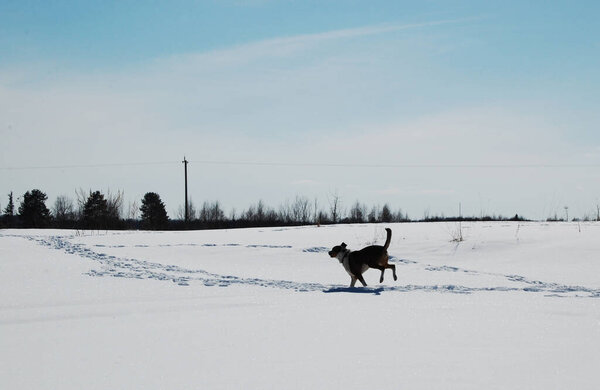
column 192, row 213
column 400, row 216
column 81, row 197
column 63, row 209
column 260, row 213
column 133, row 210
column 211, row 212
column 285, row 212
column 334, row 206
column 114, row 202
column 301, row 210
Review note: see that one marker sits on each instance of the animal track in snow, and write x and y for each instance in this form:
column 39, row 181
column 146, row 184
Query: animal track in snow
column 122, row 267
column 194, row 245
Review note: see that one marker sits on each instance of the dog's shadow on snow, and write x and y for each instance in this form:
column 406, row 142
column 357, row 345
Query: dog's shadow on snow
column 355, row 290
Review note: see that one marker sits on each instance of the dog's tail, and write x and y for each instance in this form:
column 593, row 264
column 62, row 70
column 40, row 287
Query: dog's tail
column 388, row 239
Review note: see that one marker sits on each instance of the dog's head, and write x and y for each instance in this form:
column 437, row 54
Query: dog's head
column 336, row 250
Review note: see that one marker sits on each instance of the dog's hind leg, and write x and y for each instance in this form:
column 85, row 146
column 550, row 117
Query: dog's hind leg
column 382, row 271
column 393, row 267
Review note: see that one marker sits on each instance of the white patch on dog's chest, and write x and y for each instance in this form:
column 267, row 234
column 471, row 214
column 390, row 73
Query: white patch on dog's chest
column 346, row 265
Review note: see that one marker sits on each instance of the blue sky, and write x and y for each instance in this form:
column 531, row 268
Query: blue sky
column 306, row 84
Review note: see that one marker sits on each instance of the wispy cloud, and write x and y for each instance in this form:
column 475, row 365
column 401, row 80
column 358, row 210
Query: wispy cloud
column 282, row 46
column 357, row 32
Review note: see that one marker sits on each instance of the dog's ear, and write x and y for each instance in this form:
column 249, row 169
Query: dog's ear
column 343, row 245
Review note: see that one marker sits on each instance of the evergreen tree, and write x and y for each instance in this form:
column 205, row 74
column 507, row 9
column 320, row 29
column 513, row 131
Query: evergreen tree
column 154, row 215
column 9, row 210
column 358, row 213
column 386, row 214
column 95, row 211
column 33, row 210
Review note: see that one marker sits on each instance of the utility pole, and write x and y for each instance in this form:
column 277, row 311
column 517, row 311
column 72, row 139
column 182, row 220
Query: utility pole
column 185, row 163
column 460, row 237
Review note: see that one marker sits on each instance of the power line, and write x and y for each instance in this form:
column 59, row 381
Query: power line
column 316, row 165
column 75, row 166
column 357, row 165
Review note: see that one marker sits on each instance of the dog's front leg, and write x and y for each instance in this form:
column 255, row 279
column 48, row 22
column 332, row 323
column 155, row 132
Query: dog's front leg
column 352, row 281
column 362, row 280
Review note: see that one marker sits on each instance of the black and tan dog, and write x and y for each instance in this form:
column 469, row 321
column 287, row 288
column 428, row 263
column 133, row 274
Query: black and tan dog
column 357, row 262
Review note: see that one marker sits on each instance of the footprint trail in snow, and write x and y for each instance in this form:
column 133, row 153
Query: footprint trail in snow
column 114, row 266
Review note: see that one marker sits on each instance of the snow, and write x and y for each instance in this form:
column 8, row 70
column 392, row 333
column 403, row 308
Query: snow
column 515, row 305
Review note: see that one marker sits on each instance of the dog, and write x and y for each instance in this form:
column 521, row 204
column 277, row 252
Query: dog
column 357, row 262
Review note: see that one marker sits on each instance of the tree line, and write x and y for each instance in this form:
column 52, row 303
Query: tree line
column 97, row 210
column 93, row 210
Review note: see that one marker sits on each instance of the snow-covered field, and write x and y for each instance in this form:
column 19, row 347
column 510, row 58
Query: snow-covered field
column 514, row 306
